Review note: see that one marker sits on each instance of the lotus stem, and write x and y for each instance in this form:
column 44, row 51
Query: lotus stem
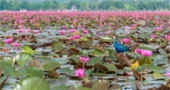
column 141, row 78
column 84, row 73
column 145, row 66
column 8, row 49
column 62, row 40
column 20, row 37
column 140, row 57
column 83, row 65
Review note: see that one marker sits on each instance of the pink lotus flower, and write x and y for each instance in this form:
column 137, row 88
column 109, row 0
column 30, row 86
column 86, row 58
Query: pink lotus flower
column 100, row 26
column 15, row 44
column 85, row 31
column 146, row 52
column 139, row 51
column 84, row 59
column 36, row 31
column 109, row 24
column 64, row 27
column 158, row 28
column 15, row 23
column 113, row 27
column 168, row 73
column 8, row 41
column 98, row 35
column 71, row 38
column 106, row 33
column 62, row 32
column 131, row 28
column 35, row 23
column 152, row 36
column 79, row 73
column 157, row 19
column 20, row 27
column 162, row 25
column 20, row 30
column 134, row 25
column 76, row 36
column 167, row 37
column 74, row 21
column 126, row 40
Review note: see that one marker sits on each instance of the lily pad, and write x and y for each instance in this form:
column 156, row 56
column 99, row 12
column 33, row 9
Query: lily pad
column 94, row 60
column 73, row 51
column 57, row 46
column 74, row 58
column 115, row 87
column 20, row 73
column 157, row 75
column 86, row 44
column 160, row 59
column 146, row 48
column 36, row 64
column 163, row 52
column 34, row 71
column 60, row 88
column 153, row 68
column 101, row 68
column 2, row 44
column 33, row 83
column 6, row 59
column 51, row 65
column 53, row 74
column 22, row 59
column 28, row 50
column 96, row 52
column 88, row 72
column 66, row 70
column 111, row 67
column 101, row 85
column 6, row 68
column 43, row 58
column 79, row 88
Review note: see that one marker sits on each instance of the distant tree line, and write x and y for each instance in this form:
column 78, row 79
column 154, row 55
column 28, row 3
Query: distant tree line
column 130, row 5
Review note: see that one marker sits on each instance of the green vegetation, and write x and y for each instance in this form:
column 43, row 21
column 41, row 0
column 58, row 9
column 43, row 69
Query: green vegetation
column 85, row 5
